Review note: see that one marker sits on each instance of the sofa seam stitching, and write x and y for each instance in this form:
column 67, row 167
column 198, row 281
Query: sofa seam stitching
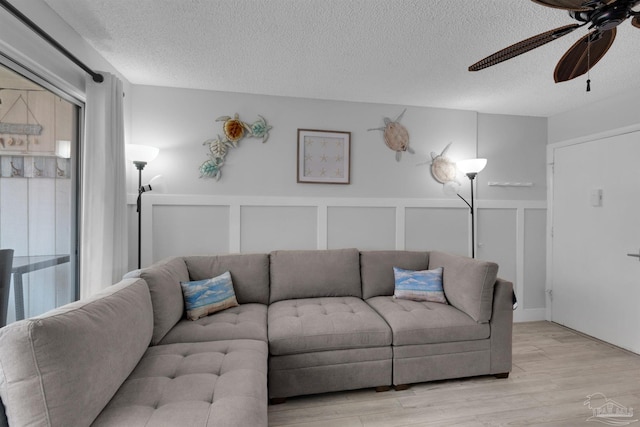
column 39, row 373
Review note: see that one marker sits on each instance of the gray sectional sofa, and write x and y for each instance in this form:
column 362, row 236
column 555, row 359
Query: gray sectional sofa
column 307, row 322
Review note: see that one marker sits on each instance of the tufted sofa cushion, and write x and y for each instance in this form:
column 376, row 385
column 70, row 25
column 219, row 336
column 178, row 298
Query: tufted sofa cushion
column 222, row 383
column 246, row 321
column 321, row 324
column 421, row 322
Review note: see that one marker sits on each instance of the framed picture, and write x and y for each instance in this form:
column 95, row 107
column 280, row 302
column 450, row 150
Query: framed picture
column 324, row 157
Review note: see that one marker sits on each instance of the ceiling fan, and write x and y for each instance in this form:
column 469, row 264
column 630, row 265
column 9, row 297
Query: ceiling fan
column 602, row 16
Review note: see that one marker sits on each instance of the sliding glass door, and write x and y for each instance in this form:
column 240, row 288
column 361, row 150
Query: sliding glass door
column 39, row 130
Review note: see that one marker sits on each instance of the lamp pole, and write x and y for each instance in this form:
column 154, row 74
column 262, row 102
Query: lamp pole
column 471, row 176
column 140, row 155
column 470, row 168
column 140, row 166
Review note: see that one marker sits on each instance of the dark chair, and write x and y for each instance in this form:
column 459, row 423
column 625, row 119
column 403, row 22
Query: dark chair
column 3, row 417
column 6, row 262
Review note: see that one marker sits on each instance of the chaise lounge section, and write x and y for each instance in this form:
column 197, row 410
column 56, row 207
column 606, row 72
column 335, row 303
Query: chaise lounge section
column 89, row 363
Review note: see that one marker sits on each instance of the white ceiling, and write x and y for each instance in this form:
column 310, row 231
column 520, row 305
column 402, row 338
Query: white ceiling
column 408, row 52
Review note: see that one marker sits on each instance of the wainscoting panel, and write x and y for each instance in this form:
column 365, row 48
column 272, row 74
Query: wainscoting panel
column 535, row 223
column 196, row 224
column 269, row 228
column 442, row 229
column 497, row 240
column 189, row 230
column 365, row 228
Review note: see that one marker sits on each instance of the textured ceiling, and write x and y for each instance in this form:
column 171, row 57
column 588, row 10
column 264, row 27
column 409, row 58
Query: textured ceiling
column 408, row 52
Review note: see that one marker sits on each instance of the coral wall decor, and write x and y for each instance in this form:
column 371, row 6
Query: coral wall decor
column 234, row 131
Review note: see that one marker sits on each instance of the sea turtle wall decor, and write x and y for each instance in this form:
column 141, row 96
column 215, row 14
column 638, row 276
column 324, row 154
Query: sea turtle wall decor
column 234, row 131
column 234, row 128
column 396, row 136
column 218, row 149
column 443, row 169
column 260, row 129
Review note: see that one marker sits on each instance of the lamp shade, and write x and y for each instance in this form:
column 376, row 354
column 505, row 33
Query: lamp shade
column 471, row 165
column 141, row 153
column 158, row 184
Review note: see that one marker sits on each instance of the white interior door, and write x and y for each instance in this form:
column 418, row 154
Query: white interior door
column 596, row 223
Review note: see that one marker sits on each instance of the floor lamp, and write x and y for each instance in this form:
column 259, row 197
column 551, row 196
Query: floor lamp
column 141, row 155
column 471, row 168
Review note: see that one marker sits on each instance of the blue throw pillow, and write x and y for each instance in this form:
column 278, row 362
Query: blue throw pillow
column 205, row 297
column 423, row 285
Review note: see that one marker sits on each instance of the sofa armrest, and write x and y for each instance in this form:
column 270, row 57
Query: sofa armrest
column 62, row 367
column 501, row 327
column 468, row 283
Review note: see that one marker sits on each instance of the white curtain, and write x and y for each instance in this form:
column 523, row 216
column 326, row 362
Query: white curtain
column 103, row 224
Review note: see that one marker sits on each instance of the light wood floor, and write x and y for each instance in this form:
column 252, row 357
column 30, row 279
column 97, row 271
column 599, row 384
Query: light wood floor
column 554, row 370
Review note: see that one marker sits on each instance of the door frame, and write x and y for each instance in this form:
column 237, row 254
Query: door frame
column 551, row 149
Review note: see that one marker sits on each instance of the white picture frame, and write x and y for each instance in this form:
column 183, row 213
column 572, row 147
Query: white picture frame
column 324, row 157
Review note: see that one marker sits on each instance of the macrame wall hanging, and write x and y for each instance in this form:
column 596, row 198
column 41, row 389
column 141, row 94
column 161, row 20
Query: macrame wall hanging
column 234, row 131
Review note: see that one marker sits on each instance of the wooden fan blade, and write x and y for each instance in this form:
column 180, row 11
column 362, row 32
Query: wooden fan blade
column 523, row 47
column 636, row 21
column 578, row 5
column 578, row 60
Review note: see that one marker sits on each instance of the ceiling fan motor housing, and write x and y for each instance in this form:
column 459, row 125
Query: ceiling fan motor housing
column 609, row 17
column 606, row 17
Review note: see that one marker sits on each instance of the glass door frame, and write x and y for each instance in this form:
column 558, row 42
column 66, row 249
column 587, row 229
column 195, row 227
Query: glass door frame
column 76, row 163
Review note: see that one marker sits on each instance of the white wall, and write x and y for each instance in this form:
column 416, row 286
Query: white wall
column 258, row 206
column 613, row 113
column 513, row 146
column 178, row 121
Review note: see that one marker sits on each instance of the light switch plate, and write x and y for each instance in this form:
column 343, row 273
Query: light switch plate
column 596, row 197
